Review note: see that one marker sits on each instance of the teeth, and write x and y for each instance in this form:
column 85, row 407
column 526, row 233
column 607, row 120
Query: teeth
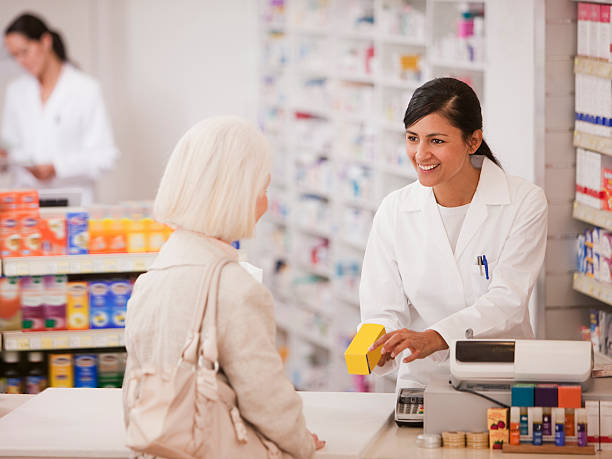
column 427, row 168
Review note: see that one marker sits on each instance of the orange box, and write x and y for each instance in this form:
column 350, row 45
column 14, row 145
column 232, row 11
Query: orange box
column 53, row 232
column 29, row 228
column 8, row 200
column 99, row 240
column 570, row 397
column 116, row 229
column 137, row 235
column 27, row 199
column 10, row 236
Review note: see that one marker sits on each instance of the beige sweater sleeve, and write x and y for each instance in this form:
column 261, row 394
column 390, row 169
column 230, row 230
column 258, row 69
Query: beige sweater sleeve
column 249, row 359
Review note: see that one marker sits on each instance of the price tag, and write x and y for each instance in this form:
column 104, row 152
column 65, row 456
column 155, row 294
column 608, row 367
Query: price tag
column 61, row 342
column 110, row 265
column 22, row 269
column 98, row 266
column 63, row 267
column 51, row 268
column 86, row 341
column 75, row 341
column 23, row 344
column 11, row 345
column 35, row 343
column 125, row 264
column 87, row 267
column 140, row 265
column 46, row 343
column 99, row 341
column 75, row 267
column 113, row 341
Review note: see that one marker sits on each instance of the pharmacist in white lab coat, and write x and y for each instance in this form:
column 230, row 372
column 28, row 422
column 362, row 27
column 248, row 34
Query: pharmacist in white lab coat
column 455, row 254
column 55, row 131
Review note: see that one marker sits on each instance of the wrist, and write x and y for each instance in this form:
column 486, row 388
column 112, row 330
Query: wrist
column 440, row 342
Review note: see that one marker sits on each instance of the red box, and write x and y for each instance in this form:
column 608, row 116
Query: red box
column 29, row 228
column 27, row 199
column 570, row 397
column 8, row 201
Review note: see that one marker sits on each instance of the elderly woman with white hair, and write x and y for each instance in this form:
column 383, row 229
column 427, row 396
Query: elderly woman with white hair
column 213, row 191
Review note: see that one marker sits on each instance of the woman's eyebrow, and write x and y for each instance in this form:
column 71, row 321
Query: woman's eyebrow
column 435, row 134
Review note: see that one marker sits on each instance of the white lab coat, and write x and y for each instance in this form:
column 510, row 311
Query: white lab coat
column 412, row 279
column 71, row 131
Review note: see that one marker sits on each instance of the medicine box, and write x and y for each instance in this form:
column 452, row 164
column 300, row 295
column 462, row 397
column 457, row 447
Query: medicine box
column 77, row 233
column 119, row 292
column 100, row 310
column 360, row 361
column 497, row 422
column 77, row 299
column 85, row 370
column 60, row 370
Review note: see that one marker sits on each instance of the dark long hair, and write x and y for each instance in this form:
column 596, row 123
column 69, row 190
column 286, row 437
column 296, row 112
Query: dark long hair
column 34, row 28
column 454, row 100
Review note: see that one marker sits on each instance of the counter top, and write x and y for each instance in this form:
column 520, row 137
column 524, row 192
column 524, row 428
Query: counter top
column 87, row 423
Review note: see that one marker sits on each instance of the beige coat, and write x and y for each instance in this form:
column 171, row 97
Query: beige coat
column 156, row 330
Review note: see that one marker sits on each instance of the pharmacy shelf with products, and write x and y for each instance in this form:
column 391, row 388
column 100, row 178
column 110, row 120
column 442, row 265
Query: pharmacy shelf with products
column 593, row 142
column 336, row 77
column 67, row 275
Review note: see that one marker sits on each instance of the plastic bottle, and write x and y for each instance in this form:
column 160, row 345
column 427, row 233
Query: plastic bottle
column 581, row 426
column 515, row 423
column 14, row 381
column 537, row 426
column 558, row 415
column 36, row 378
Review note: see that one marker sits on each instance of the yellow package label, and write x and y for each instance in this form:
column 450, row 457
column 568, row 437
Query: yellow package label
column 497, row 421
column 77, row 306
column 60, row 370
column 360, row 361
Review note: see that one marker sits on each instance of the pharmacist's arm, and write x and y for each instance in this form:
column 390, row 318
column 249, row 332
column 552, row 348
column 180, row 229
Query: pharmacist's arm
column 504, row 305
column 96, row 151
column 381, row 295
column 252, row 364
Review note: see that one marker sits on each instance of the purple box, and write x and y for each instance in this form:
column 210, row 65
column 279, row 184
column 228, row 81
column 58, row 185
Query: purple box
column 546, row 395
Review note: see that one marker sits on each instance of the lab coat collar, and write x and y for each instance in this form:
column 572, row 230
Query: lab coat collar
column 191, row 248
column 492, row 189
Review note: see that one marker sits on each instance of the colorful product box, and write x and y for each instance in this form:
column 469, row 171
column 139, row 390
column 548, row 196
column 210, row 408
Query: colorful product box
column 156, row 236
column 100, row 310
column 77, row 300
column 605, row 425
column 77, row 233
column 53, row 233
column 592, row 413
column 55, row 291
column 497, row 422
column 359, row 360
column 10, row 235
column 8, row 200
column 60, row 370
column 10, row 304
column 32, row 303
column 110, row 369
column 119, row 292
column 27, row 199
column 137, row 235
column 85, row 370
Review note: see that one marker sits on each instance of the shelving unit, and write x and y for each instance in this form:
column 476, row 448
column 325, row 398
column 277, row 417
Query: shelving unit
column 599, row 290
column 66, row 339
column 601, row 218
column 333, row 97
column 593, row 142
column 77, row 264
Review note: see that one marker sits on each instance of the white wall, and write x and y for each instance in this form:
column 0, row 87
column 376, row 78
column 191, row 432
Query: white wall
column 162, row 65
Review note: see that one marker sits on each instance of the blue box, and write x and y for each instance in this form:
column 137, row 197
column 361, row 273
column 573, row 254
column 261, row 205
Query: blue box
column 77, row 233
column 523, row 394
column 119, row 292
column 85, row 370
column 100, row 310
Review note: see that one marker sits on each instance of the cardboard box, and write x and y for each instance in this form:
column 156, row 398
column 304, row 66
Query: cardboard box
column 77, row 300
column 100, row 309
column 497, row 422
column 60, row 370
column 360, row 361
column 78, row 233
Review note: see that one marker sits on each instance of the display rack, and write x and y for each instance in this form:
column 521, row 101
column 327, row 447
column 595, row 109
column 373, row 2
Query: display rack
column 601, row 218
column 593, row 142
column 336, row 129
column 77, row 264
column 601, row 291
column 65, row 339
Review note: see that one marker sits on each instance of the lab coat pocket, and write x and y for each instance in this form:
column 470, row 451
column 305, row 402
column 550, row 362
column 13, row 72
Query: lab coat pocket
column 480, row 283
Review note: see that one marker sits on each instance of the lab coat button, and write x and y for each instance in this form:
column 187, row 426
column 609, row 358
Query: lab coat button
column 469, row 333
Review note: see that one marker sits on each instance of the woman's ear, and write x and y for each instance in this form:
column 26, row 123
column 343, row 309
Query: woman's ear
column 475, row 141
column 47, row 41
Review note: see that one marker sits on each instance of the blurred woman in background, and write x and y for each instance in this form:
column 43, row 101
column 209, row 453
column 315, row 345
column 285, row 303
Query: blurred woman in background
column 55, row 131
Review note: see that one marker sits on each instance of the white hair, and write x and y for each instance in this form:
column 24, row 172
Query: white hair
column 213, row 178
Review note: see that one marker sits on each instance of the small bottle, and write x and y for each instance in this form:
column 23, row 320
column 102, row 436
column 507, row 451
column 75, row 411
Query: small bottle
column 581, row 426
column 569, row 422
column 546, row 421
column 524, row 424
column 537, row 425
column 515, row 425
column 36, row 379
column 14, row 381
column 558, row 415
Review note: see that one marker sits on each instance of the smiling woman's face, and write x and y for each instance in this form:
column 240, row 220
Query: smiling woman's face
column 437, row 150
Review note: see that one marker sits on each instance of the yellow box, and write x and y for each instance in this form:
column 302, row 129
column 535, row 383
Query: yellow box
column 77, row 306
column 358, row 360
column 60, row 370
column 497, row 422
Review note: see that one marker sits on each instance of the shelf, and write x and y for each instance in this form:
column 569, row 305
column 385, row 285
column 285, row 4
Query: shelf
column 354, row 35
column 410, row 85
column 402, row 40
column 314, row 192
column 592, row 142
column 310, row 30
column 65, row 339
column 465, row 65
column 592, row 66
column 390, row 126
column 322, row 232
column 358, row 245
column 354, row 78
column 346, row 297
column 601, row 359
column 279, row 221
column 365, row 204
column 401, row 171
column 320, row 271
column 587, row 214
column 78, row 264
column 588, row 286
column 316, row 112
column 304, row 335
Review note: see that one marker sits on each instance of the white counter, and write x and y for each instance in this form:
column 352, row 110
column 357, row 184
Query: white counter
column 88, row 423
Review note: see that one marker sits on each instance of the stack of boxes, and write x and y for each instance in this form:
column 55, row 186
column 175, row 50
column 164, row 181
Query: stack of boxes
column 594, row 257
column 593, row 179
column 87, row 370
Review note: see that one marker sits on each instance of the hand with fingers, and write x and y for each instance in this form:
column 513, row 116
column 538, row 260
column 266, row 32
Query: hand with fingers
column 420, row 344
column 319, row 444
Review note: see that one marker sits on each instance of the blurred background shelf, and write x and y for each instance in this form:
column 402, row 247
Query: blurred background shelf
column 63, row 339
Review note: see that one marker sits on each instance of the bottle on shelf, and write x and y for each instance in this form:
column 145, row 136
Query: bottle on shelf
column 14, row 381
column 36, row 376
